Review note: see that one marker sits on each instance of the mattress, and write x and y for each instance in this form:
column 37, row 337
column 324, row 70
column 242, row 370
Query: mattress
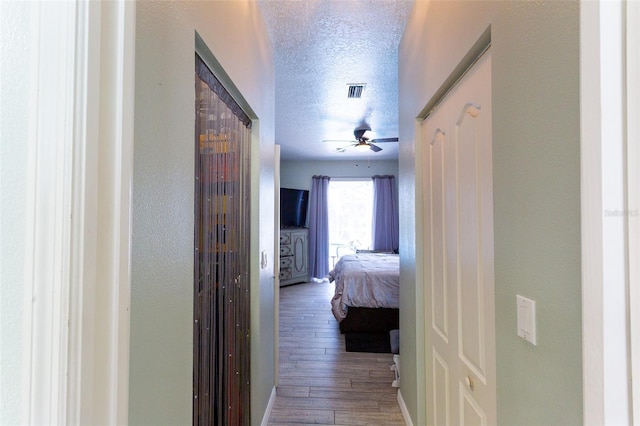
column 369, row 280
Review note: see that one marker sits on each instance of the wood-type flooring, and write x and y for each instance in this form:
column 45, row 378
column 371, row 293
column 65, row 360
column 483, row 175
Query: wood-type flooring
column 319, row 382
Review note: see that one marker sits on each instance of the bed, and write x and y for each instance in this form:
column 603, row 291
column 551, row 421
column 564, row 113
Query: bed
column 366, row 297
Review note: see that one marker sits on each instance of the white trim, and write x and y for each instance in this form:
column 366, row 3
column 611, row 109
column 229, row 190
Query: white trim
column 84, row 208
column 593, row 387
column 604, row 250
column 276, row 265
column 633, row 195
column 267, row 412
column 77, row 260
column 102, row 213
column 404, row 410
column 126, row 35
column 48, row 210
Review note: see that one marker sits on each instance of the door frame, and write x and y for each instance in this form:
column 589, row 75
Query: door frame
column 608, row 198
column 276, row 264
column 77, row 302
column 633, row 196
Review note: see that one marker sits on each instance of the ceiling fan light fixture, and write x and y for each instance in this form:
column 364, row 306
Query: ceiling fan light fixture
column 362, row 146
column 362, row 141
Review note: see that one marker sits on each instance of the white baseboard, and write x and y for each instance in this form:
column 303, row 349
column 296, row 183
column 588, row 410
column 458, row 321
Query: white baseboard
column 267, row 412
column 403, row 408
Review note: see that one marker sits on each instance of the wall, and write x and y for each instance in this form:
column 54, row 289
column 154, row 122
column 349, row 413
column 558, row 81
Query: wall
column 16, row 63
column 162, row 234
column 298, row 174
column 535, row 96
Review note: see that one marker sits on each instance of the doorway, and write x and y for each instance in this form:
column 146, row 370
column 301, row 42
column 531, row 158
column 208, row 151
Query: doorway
column 221, row 361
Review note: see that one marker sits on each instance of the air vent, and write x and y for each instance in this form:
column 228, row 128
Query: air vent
column 355, row 90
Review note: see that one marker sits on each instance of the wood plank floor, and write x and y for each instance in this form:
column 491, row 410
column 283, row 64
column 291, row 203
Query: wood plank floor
column 321, row 383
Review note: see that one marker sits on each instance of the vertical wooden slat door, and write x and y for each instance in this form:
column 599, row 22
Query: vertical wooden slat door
column 221, row 288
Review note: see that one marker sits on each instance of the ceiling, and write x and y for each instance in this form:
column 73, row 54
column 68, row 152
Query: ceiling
column 322, row 46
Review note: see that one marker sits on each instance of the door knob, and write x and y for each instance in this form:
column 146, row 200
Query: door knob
column 469, row 381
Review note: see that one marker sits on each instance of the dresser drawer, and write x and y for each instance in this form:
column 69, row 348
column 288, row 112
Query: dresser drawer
column 285, row 273
column 286, row 250
column 285, row 238
column 286, row 262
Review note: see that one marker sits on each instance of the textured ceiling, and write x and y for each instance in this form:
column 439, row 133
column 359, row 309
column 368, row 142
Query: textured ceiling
column 321, row 46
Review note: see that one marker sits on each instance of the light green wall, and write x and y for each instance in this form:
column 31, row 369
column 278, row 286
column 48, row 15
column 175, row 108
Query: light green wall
column 537, row 212
column 536, row 138
column 162, row 229
column 298, row 174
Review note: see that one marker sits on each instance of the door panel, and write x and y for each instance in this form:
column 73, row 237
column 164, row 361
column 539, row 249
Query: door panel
column 439, row 297
column 471, row 412
column 458, row 210
column 470, row 283
column 441, row 392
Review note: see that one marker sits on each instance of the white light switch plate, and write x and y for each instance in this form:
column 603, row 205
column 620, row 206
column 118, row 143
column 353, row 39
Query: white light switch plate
column 526, row 309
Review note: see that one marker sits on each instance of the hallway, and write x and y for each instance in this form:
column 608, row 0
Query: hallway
column 321, row 383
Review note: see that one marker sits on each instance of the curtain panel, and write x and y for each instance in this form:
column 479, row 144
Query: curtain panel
column 385, row 233
column 221, row 361
column 319, row 227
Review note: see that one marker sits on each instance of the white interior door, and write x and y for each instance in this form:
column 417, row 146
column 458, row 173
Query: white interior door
column 459, row 277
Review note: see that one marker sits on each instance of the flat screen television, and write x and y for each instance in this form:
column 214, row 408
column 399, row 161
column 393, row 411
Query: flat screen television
column 293, row 207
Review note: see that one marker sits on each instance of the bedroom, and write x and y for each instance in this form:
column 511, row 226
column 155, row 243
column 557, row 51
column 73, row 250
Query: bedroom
column 298, row 174
column 308, row 365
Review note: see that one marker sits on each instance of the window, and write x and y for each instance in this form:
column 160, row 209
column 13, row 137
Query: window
column 350, row 215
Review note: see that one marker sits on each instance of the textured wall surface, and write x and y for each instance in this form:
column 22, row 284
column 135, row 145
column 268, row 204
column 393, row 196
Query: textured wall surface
column 162, row 239
column 537, row 207
column 535, row 97
column 298, row 174
column 14, row 115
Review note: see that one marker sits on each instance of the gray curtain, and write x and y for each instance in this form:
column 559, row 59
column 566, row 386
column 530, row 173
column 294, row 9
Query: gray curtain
column 385, row 228
column 319, row 227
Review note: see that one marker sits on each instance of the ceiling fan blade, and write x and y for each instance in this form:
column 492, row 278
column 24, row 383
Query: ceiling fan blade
column 338, row 141
column 384, row 140
column 374, row 148
column 344, row 148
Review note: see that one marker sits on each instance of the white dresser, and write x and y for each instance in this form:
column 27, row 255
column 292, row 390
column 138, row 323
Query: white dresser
column 294, row 255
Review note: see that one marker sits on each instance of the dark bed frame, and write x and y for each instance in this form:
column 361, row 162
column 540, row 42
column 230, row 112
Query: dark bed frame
column 370, row 320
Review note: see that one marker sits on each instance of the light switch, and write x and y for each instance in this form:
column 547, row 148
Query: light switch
column 526, row 309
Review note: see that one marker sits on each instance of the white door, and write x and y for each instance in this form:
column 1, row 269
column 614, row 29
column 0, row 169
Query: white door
column 459, row 280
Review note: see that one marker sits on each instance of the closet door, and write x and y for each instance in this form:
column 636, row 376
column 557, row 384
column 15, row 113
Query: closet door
column 459, row 281
column 221, row 289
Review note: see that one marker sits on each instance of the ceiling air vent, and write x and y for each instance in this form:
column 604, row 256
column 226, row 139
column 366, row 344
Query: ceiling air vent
column 355, row 90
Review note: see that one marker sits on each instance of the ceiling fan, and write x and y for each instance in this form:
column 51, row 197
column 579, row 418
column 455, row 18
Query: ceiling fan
column 362, row 142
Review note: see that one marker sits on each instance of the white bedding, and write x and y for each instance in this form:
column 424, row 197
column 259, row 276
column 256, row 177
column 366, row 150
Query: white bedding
column 369, row 280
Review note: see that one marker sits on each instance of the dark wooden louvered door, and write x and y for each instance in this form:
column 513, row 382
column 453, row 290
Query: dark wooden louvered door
column 221, row 387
